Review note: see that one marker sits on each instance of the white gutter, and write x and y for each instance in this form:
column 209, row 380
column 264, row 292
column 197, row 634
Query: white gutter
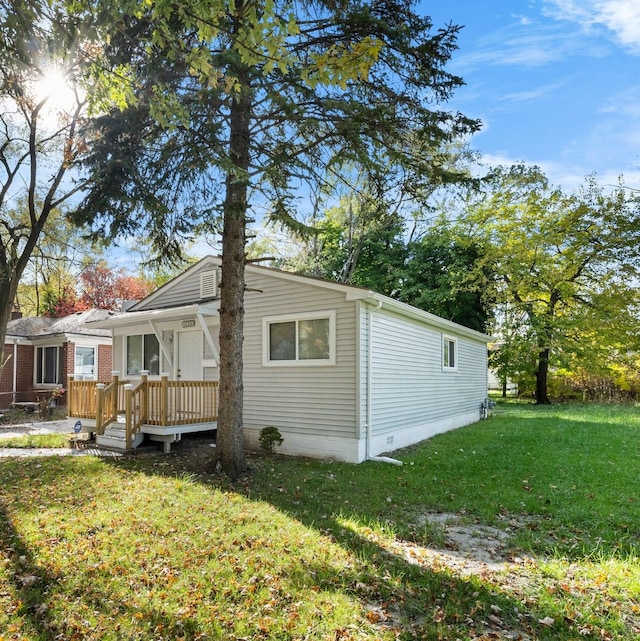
column 425, row 317
column 157, row 315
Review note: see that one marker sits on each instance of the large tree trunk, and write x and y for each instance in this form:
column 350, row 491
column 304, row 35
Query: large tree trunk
column 12, row 267
column 230, row 440
column 8, row 289
column 542, row 374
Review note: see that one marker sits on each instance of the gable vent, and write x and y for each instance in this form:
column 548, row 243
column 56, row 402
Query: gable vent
column 209, row 284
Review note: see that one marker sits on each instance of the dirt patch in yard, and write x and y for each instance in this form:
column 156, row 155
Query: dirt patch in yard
column 466, row 548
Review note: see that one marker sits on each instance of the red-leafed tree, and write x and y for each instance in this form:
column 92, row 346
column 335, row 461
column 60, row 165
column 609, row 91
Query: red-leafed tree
column 62, row 304
column 105, row 288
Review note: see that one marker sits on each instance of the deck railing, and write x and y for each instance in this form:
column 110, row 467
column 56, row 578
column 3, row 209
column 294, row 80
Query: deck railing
column 99, row 400
column 160, row 403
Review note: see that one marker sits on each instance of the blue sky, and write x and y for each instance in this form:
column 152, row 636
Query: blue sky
column 556, row 83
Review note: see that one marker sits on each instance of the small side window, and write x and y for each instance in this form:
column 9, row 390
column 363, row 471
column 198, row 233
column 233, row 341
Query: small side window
column 449, row 353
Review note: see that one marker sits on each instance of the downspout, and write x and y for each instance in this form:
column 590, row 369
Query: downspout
column 368, row 457
column 367, row 442
column 15, row 369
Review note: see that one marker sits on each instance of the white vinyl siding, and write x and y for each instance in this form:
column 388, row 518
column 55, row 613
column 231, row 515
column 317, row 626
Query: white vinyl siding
column 118, row 353
column 184, row 290
column 409, row 386
column 314, row 399
column 385, row 377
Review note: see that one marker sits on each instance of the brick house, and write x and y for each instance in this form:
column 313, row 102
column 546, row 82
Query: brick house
column 40, row 353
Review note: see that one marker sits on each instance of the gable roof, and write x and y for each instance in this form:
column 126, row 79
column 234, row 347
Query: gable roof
column 34, row 327
column 156, row 300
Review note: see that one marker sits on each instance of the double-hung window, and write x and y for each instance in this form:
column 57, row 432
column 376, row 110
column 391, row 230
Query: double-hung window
column 143, row 353
column 49, row 365
column 85, row 365
column 300, row 339
column 449, row 353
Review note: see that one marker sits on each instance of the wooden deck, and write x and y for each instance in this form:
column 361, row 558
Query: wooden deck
column 160, row 407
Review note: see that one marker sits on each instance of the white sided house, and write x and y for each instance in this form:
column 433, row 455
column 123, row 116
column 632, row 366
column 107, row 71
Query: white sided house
column 342, row 372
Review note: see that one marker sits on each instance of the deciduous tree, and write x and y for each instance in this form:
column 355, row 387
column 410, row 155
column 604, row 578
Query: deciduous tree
column 438, row 271
column 41, row 107
column 566, row 267
column 102, row 287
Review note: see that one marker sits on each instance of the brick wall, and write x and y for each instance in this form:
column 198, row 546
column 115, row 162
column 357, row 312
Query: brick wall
column 105, row 362
column 6, row 378
column 24, row 375
column 25, row 371
column 68, row 361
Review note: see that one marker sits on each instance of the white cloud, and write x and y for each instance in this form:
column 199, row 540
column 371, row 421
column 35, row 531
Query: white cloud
column 528, row 44
column 530, row 52
column 568, row 177
column 524, row 20
column 536, row 93
column 620, row 17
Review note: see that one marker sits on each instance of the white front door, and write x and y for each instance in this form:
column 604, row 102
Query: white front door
column 189, row 356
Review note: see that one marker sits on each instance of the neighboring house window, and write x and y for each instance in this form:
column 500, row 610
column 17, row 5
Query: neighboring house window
column 143, row 352
column 85, row 366
column 449, row 353
column 308, row 340
column 48, row 365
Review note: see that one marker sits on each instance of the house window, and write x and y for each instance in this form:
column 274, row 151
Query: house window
column 85, row 364
column 143, row 353
column 449, row 353
column 49, row 365
column 304, row 340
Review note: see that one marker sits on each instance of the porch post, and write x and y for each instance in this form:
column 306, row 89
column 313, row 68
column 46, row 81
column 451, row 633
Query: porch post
column 128, row 413
column 164, row 398
column 99, row 408
column 144, row 409
column 115, row 397
column 71, row 396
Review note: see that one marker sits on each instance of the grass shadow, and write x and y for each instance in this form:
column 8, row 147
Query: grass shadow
column 276, row 552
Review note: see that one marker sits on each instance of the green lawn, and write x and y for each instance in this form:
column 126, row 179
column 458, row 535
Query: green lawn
column 158, row 547
column 54, row 439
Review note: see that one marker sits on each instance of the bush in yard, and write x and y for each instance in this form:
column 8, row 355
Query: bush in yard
column 47, row 402
column 269, row 438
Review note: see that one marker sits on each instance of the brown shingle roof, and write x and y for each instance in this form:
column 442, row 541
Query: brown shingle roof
column 40, row 326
